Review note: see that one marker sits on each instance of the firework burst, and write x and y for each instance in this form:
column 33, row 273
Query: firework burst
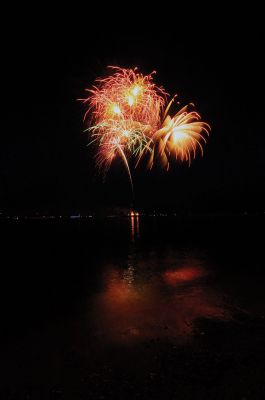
column 128, row 116
column 179, row 137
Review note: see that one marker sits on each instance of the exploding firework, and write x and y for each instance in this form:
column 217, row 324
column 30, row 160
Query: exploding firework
column 179, row 137
column 128, row 116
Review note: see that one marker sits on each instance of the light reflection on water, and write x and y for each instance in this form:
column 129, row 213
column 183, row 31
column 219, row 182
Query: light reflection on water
column 154, row 296
column 134, row 222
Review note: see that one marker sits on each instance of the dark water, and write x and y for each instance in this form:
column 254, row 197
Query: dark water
column 133, row 307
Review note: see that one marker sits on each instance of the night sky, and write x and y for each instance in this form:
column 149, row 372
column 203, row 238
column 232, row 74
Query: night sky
column 45, row 164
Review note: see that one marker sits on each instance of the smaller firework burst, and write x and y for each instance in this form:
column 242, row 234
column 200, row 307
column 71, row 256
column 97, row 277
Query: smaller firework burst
column 179, row 137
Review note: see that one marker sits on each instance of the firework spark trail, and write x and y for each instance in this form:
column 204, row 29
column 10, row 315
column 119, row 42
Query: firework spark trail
column 129, row 117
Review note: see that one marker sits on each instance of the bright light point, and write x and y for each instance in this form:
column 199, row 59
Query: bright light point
column 178, row 136
column 116, row 109
column 136, row 90
column 126, row 133
column 130, row 101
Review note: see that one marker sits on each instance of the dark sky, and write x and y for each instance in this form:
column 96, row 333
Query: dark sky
column 49, row 61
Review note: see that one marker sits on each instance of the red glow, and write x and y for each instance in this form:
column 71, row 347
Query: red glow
column 131, row 307
column 173, row 277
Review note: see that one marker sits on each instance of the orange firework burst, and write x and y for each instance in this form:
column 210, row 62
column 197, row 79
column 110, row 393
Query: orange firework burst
column 179, row 137
column 129, row 117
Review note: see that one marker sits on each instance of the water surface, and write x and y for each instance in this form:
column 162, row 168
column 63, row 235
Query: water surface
column 118, row 306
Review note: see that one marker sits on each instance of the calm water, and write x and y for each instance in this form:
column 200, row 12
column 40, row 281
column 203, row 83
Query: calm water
column 97, row 306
